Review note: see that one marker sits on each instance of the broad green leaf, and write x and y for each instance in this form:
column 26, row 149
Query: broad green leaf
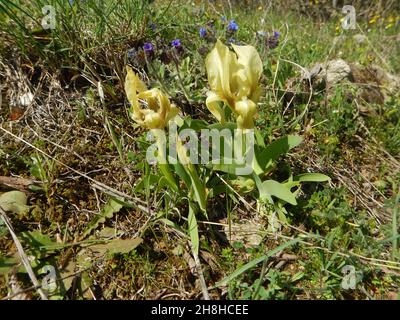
column 108, row 232
column 194, row 124
column 280, row 209
column 166, row 171
column 265, row 156
column 243, row 184
column 36, row 239
column 37, row 168
column 311, row 177
column 86, row 281
column 254, row 262
column 7, row 264
column 234, row 168
column 274, row 188
column 38, row 244
column 117, row 246
column 263, row 195
column 14, row 202
column 181, row 172
column 259, row 138
column 299, row 275
column 290, row 183
column 219, row 126
column 198, row 187
column 107, row 212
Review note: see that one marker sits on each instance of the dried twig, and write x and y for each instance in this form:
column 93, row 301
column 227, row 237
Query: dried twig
column 22, row 254
column 16, row 183
column 200, row 274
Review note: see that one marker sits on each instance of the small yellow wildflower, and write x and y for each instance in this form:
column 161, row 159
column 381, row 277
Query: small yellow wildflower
column 150, row 108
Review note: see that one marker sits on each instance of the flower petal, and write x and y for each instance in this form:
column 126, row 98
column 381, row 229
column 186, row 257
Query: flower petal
column 246, row 110
column 212, row 103
column 220, row 63
column 173, row 112
column 153, row 120
column 233, row 79
column 158, row 104
column 133, row 85
column 250, row 74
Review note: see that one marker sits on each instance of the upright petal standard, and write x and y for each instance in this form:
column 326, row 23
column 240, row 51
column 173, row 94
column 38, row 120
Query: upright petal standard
column 234, row 80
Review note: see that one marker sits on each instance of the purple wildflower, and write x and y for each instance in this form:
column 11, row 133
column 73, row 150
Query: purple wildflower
column 202, row 32
column 148, row 47
column 273, row 41
column 176, row 43
column 232, row 26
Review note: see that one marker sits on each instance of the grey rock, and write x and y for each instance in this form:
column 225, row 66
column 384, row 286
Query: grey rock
column 334, row 71
column 360, row 38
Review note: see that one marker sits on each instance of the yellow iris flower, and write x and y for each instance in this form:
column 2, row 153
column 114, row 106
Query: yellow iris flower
column 150, row 108
column 233, row 78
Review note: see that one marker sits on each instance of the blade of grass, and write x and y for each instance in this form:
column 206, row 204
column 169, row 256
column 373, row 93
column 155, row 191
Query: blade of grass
column 193, row 228
column 254, row 262
column 395, row 229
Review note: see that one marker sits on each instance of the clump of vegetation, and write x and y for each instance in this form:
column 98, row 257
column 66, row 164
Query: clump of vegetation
column 87, row 97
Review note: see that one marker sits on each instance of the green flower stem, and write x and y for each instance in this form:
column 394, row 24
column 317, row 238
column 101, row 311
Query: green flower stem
column 198, row 187
column 185, row 93
column 162, row 160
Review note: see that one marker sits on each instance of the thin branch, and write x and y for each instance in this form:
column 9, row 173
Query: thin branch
column 22, row 254
column 199, row 269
